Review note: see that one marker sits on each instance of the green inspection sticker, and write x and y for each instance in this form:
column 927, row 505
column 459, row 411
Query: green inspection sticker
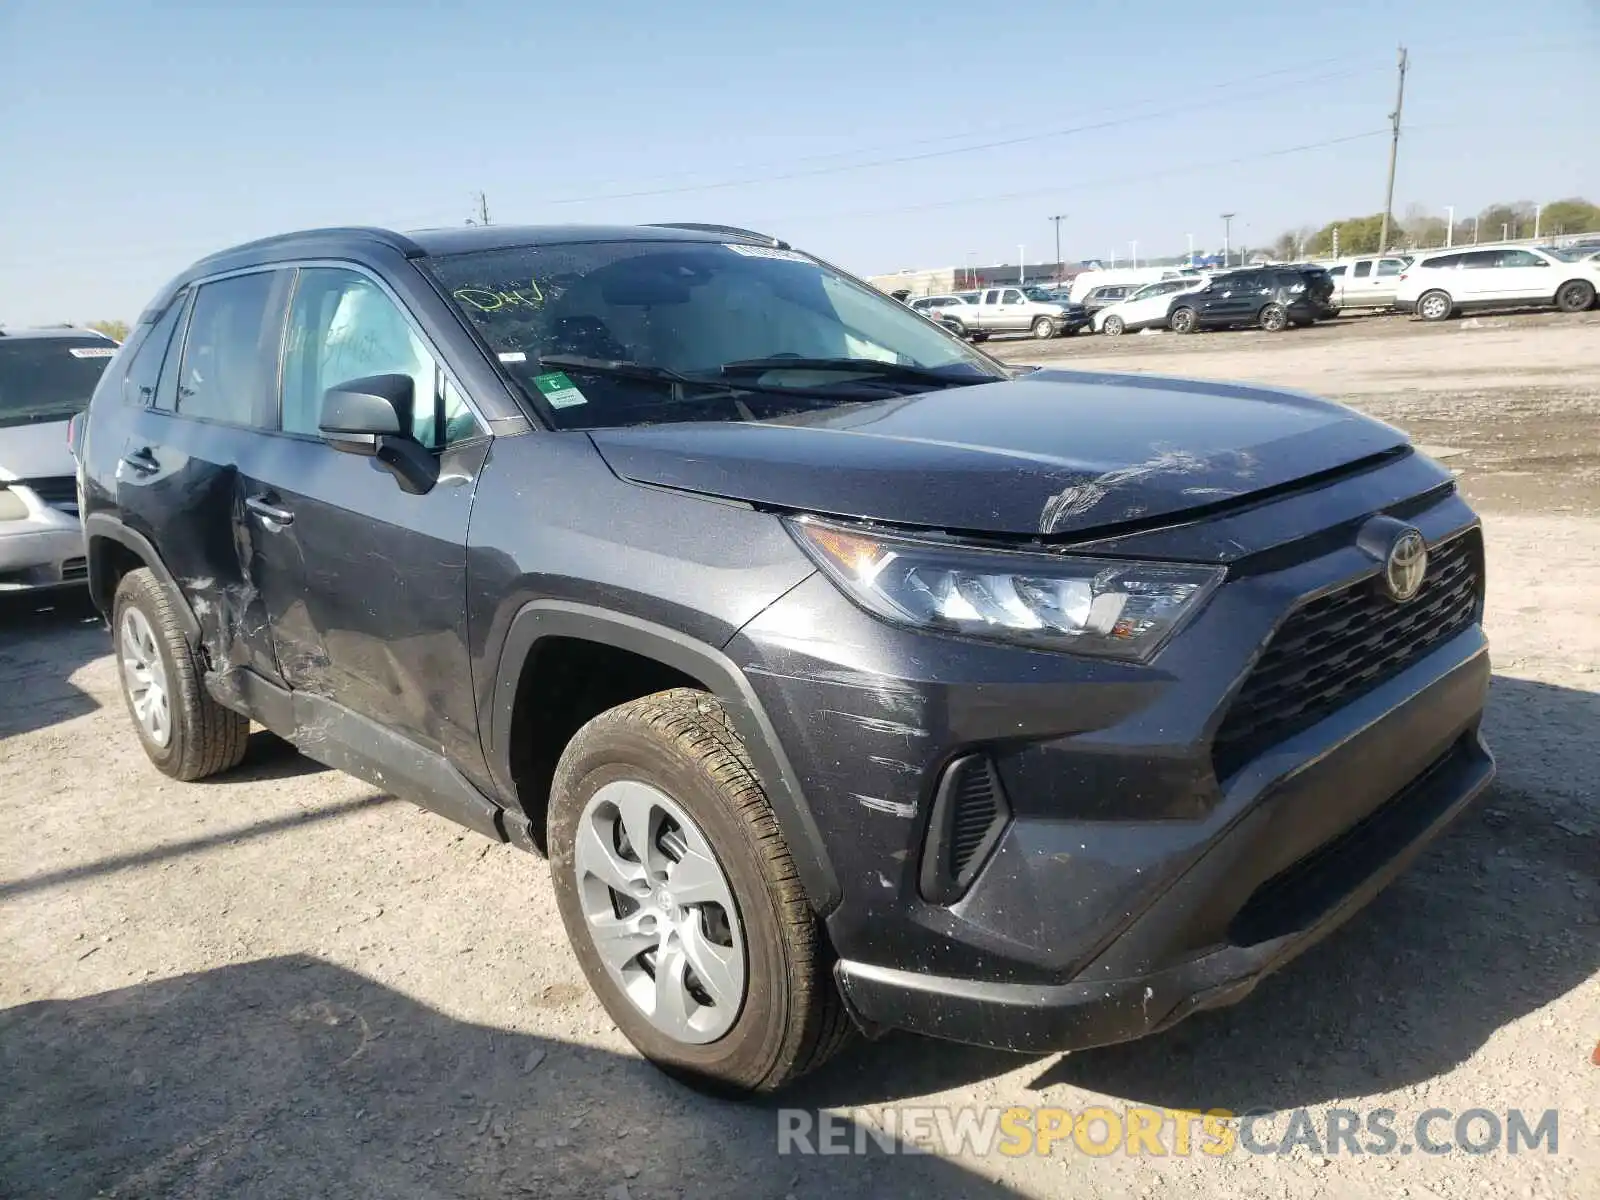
column 558, row 390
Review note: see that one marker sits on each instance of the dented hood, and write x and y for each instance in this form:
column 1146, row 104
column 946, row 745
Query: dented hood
column 1054, row 452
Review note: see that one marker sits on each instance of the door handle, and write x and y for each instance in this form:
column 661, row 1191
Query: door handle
column 142, row 460
column 268, row 511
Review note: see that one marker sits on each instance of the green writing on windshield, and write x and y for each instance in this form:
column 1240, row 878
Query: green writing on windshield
column 495, row 300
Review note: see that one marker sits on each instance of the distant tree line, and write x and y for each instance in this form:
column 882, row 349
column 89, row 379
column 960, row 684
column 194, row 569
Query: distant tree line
column 1422, row 229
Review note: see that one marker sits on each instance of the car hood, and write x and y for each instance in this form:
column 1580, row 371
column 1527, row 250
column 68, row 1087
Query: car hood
column 1052, row 452
column 35, row 451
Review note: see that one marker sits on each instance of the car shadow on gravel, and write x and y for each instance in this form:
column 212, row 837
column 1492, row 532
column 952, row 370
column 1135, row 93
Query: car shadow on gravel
column 294, row 1077
column 1494, row 921
column 43, row 640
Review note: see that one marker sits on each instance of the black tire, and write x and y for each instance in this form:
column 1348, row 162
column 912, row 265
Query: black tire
column 680, row 742
column 1043, row 328
column 1274, row 318
column 959, row 329
column 979, row 337
column 204, row 737
column 1113, row 326
column 1183, row 320
column 1435, row 305
column 1575, row 296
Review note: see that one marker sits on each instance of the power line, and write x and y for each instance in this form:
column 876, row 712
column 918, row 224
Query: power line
column 1023, row 139
column 1115, row 181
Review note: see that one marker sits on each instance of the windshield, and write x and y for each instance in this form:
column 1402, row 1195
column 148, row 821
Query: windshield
column 49, row 378
column 1563, row 253
column 1041, row 295
column 603, row 334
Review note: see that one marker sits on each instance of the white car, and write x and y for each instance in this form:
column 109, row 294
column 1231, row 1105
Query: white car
column 1438, row 286
column 1145, row 308
column 46, row 378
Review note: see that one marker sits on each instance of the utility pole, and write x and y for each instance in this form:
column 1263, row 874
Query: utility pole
column 483, row 211
column 1190, row 236
column 1227, row 237
column 1022, row 264
column 1450, row 227
column 1133, row 248
column 1394, row 151
column 1474, row 231
column 1056, row 220
column 1538, row 211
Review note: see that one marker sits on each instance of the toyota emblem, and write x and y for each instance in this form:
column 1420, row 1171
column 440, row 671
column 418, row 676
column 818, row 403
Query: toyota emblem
column 1406, row 565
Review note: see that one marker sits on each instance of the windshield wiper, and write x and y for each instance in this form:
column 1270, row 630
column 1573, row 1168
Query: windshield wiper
column 622, row 369
column 865, row 366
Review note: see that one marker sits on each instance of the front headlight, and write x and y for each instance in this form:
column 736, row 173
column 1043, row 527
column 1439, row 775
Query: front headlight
column 1114, row 608
column 12, row 506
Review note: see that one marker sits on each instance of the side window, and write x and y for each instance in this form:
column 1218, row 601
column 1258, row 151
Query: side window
column 1337, row 272
column 1390, row 266
column 1480, row 260
column 1363, row 269
column 230, row 349
column 343, row 326
column 1012, row 296
column 1445, row 262
column 991, row 297
column 1520, row 258
column 139, row 385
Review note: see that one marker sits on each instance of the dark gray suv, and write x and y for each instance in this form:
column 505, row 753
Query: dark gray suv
column 847, row 677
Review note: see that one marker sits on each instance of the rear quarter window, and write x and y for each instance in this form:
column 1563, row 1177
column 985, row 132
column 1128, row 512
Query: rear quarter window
column 1444, row 262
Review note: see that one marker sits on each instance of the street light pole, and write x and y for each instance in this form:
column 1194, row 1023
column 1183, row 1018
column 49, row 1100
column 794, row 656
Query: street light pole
column 1450, row 227
column 1538, row 211
column 1474, row 231
column 1227, row 236
column 1022, row 258
column 1133, row 246
column 1056, row 220
column 1190, row 236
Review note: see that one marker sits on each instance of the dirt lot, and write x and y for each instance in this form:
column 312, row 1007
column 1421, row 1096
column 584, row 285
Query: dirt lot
column 279, row 983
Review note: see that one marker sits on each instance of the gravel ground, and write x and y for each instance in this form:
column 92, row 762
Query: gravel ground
column 279, row 983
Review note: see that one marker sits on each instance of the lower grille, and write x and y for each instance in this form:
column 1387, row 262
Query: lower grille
column 969, row 815
column 1342, row 645
column 74, row 569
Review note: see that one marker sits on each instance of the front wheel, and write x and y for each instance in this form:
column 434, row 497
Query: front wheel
column 1575, row 296
column 681, row 899
column 1184, row 320
column 1112, row 327
column 1435, row 306
column 1044, row 327
column 1274, row 318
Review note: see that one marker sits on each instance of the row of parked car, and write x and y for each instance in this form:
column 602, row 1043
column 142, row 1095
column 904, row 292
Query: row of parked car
column 1274, row 297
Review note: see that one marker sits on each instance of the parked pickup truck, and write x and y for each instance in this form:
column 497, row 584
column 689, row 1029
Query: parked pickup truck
column 1015, row 310
column 1369, row 281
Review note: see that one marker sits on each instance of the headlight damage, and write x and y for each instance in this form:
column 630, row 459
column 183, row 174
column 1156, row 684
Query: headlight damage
column 1114, row 608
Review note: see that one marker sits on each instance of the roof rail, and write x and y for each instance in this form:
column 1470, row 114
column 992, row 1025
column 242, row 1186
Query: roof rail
column 698, row 227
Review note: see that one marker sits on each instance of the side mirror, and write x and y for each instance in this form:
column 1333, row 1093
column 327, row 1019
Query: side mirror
column 371, row 417
column 356, row 413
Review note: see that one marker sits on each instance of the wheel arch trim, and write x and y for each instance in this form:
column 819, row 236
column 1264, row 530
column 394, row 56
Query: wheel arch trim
column 102, row 525
column 719, row 674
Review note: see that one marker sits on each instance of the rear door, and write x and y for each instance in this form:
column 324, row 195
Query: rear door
column 364, row 582
column 1477, row 280
column 1233, row 300
column 179, row 476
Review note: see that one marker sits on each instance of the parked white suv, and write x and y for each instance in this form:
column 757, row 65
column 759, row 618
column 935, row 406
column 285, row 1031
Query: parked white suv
column 1145, row 308
column 1440, row 285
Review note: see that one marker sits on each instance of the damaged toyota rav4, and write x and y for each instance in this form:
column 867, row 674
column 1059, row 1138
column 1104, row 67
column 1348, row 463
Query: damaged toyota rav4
column 847, row 678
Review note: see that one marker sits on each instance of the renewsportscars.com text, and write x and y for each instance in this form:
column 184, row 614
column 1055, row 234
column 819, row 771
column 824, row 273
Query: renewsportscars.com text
column 1162, row 1132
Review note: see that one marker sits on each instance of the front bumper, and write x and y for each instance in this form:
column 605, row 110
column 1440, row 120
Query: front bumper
column 41, row 550
column 1130, row 885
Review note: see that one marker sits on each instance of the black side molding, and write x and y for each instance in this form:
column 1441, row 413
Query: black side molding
column 104, row 525
column 720, row 675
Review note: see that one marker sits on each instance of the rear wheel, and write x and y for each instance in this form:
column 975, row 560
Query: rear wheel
column 1112, row 327
column 1043, row 327
column 184, row 732
column 1274, row 318
column 1435, row 306
column 1184, row 320
column 681, row 899
column 1575, row 295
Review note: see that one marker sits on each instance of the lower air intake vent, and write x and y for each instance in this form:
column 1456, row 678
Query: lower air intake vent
column 969, row 815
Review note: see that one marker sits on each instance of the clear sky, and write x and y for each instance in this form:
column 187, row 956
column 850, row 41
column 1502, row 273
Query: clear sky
column 136, row 136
